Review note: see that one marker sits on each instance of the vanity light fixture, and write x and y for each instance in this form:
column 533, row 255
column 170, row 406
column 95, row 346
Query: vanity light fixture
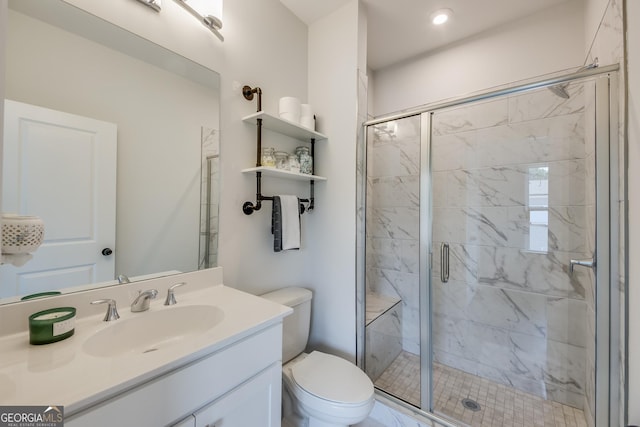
column 441, row 16
column 208, row 12
column 153, row 4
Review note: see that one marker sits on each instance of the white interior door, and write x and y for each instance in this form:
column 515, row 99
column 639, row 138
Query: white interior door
column 62, row 168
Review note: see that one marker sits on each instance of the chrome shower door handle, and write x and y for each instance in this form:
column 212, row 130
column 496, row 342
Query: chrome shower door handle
column 444, row 262
column 590, row 263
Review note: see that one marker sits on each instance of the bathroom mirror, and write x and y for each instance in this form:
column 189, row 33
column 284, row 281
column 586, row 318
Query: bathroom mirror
column 166, row 110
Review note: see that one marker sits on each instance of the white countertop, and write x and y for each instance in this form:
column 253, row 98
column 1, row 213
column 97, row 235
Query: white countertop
column 63, row 374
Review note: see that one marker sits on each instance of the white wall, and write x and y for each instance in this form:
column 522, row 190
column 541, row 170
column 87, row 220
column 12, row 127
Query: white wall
column 633, row 73
column 276, row 61
column 546, row 42
column 593, row 12
column 333, row 65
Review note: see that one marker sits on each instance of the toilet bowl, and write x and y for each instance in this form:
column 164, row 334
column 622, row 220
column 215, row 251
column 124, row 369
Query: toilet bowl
column 319, row 389
column 325, row 391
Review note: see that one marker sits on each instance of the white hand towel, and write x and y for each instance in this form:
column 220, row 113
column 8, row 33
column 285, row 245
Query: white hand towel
column 290, row 222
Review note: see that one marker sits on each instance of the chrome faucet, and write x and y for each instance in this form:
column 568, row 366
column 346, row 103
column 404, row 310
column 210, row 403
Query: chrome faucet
column 122, row 278
column 171, row 297
column 141, row 303
column 112, row 312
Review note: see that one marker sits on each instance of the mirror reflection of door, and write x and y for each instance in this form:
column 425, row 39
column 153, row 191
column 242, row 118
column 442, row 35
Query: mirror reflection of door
column 62, row 168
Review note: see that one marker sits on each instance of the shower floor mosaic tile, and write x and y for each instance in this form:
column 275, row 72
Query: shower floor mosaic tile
column 500, row 406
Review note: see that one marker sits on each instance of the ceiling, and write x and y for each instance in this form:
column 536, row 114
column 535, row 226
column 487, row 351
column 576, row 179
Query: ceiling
column 400, row 29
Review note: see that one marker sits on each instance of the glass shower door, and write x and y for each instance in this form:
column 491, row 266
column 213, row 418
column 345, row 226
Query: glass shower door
column 482, row 297
column 392, row 281
column 512, row 203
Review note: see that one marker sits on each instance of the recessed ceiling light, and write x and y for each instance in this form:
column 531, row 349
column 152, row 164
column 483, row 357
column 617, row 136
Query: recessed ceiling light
column 441, row 16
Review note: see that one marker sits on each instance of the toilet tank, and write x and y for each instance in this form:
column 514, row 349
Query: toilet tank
column 295, row 327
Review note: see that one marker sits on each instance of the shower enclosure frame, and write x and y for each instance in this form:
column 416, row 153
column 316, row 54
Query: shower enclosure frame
column 608, row 308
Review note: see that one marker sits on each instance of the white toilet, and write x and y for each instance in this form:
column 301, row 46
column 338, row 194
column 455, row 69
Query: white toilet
column 319, row 389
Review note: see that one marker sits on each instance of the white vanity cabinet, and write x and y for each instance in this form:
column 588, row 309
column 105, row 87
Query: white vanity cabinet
column 250, row 404
column 238, row 385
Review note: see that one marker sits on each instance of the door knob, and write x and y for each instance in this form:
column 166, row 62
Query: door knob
column 107, row 251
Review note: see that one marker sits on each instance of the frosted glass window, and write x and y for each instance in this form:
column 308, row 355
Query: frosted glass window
column 538, row 201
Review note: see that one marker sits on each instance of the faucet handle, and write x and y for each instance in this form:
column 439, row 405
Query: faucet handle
column 112, row 312
column 171, row 298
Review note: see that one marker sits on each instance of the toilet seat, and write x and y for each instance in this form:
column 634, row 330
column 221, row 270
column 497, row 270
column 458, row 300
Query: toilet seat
column 328, row 388
column 319, row 373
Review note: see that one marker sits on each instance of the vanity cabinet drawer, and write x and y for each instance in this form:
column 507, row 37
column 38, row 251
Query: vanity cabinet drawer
column 172, row 397
column 250, row 404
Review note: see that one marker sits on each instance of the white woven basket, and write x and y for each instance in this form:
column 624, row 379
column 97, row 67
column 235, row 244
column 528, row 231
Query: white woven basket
column 21, row 234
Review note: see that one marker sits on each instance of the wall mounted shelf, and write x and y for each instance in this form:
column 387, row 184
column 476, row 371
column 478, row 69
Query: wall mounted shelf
column 283, row 126
column 280, row 173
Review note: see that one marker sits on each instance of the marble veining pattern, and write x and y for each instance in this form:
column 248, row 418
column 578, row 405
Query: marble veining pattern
column 545, row 273
column 388, row 414
column 507, row 310
column 476, row 116
column 377, row 305
column 538, row 104
column 520, row 142
column 503, row 185
column 541, row 140
column 383, row 334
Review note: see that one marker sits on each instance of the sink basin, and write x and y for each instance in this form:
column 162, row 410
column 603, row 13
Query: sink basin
column 153, row 330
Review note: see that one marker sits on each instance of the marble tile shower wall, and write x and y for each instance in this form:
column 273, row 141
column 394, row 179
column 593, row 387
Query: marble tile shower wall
column 392, row 220
column 511, row 312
